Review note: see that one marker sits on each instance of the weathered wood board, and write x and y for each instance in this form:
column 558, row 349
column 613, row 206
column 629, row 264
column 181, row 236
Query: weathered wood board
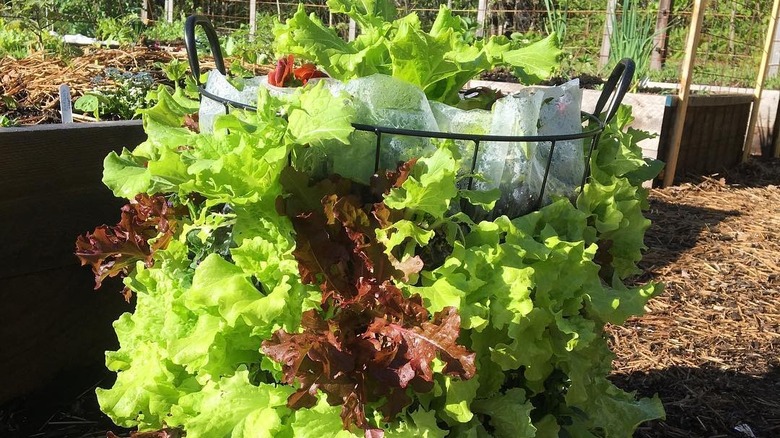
column 51, row 319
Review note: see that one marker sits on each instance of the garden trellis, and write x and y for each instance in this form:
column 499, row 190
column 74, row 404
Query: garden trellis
column 748, row 57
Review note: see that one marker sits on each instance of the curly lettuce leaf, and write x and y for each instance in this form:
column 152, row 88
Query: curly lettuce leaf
column 320, row 116
column 306, row 37
column 430, row 186
column 233, row 406
column 439, row 61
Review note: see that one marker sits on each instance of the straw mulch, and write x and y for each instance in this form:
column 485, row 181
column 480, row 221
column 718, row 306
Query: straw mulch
column 33, row 82
column 709, row 345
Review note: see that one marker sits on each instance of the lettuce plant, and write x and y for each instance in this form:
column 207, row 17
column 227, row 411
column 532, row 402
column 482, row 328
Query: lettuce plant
column 269, row 303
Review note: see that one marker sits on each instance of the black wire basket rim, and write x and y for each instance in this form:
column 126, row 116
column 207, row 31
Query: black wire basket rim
column 378, row 129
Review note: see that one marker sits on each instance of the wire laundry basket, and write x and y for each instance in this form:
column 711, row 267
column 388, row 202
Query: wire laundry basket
column 611, row 96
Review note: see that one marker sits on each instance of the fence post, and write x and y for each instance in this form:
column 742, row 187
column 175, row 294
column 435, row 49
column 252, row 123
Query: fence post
column 774, row 61
column 169, row 11
column 660, row 41
column 252, row 19
column 694, row 35
column 609, row 23
column 481, row 15
column 352, row 30
column 770, row 36
column 145, row 11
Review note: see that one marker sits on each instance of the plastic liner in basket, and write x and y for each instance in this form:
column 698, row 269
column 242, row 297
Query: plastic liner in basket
column 474, row 121
column 379, row 100
column 563, row 174
column 218, row 85
column 559, row 114
column 503, row 164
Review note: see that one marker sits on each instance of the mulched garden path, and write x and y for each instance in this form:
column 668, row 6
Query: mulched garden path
column 709, row 345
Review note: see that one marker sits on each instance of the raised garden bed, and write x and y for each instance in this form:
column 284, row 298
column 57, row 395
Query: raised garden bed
column 50, row 178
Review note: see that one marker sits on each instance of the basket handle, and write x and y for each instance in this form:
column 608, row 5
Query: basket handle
column 192, row 52
column 615, row 88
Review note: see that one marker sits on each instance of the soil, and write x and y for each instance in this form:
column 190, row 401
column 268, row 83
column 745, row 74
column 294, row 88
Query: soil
column 501, row 74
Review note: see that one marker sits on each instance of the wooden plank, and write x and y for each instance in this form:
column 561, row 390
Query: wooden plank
column 39, row 232
column 39, row 160
column 660, row 40
column 760, row 78
column 53, row 322
column 606, row 36
column 721, row 119
column 252, row 19
column 169, row 11
column 700, row 100
column 481, row 17
column 702, row 126
column 687, row 158
column 51, row 190
column 713, row 134
column 694, row 34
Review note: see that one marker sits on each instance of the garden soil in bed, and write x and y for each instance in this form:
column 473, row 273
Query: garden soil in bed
column 708, row 346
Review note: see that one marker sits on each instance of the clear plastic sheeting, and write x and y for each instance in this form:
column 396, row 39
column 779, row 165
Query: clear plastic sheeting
column 380, row 100
column 385, row 101
column 517, row 169
column 559, row 114
column 456, row 120
column 502, row 164
column 218, row 85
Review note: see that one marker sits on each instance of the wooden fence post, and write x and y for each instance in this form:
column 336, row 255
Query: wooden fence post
column 606, row 43
column 169, row 11
column 694, row 35
column 774, row 60
column 481, row 16
column 252, row 19
column 770, row 36
column 352, row 30
column 145, row 11
column 660, row 41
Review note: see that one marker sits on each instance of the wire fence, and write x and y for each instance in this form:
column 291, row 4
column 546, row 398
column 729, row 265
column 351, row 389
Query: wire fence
column 731, row 44
column 730, row 49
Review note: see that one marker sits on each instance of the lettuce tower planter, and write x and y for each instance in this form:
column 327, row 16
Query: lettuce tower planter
column 284, row 290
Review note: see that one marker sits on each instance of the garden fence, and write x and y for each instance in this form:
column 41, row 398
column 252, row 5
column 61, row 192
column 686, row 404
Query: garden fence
column 728, row 55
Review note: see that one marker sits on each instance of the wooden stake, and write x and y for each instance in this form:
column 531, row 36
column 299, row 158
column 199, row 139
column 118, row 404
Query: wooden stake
column 660, row 41
column 252, row 19
column 770, row 36
column 774, row 59
column 694, row 35
column 606, row 43
column 169, row 11
column 481, row 16
column 145, row 12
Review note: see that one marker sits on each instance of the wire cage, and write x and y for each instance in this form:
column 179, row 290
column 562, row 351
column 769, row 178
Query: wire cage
column 607, row 105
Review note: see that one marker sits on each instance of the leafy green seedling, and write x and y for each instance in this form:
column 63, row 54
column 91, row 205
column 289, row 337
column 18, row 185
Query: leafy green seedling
column 91, row 103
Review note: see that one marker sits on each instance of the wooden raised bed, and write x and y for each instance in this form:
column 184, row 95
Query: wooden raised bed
column 713, row 135
column 51, row 191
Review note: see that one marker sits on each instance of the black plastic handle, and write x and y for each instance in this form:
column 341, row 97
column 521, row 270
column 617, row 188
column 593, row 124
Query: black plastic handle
column 192, row 52
column 615, row 88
